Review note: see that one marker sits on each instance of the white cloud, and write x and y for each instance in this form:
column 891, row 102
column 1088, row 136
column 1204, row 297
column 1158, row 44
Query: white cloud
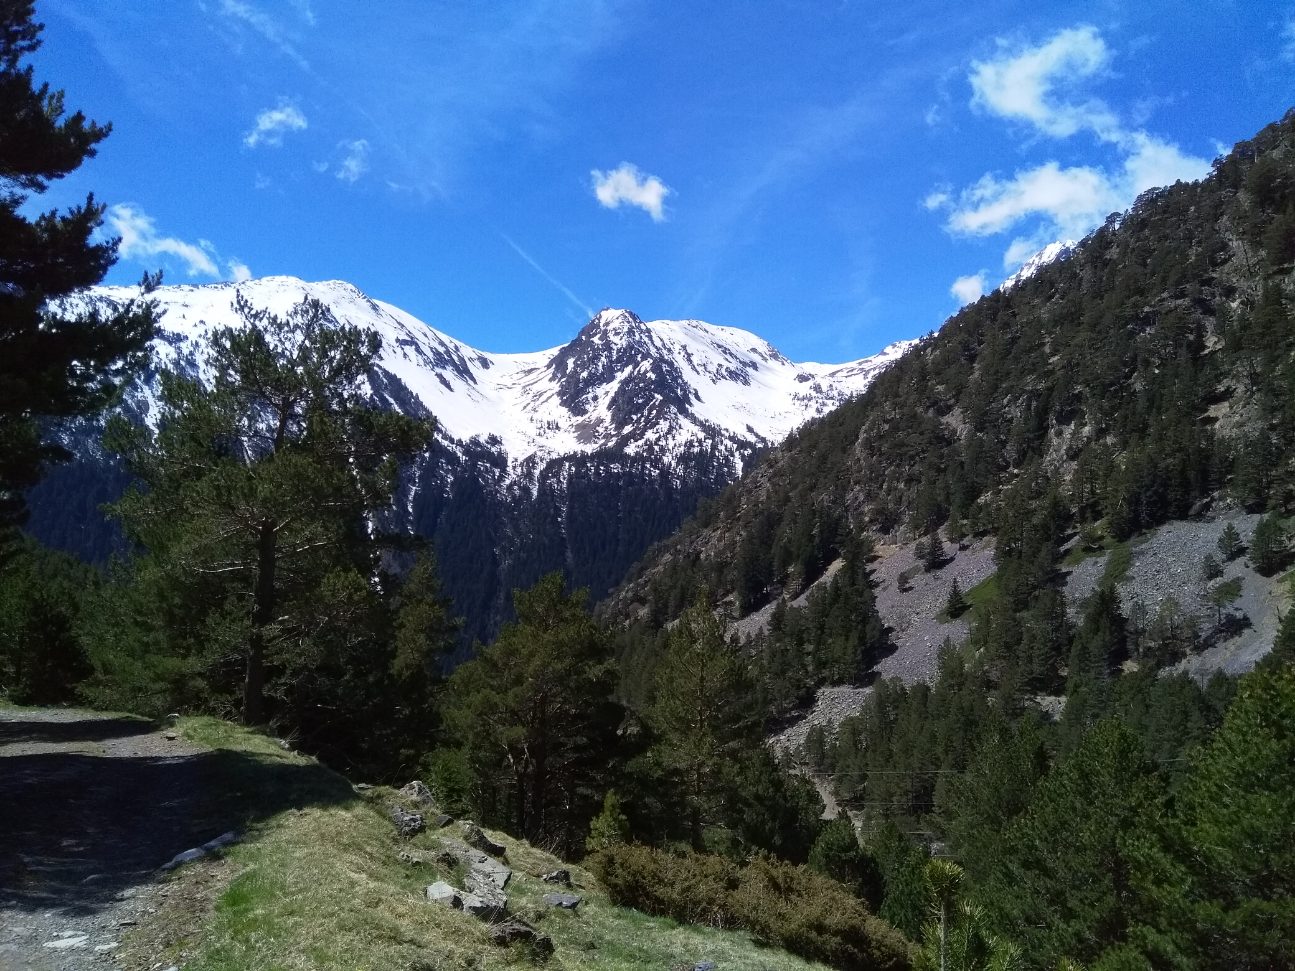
column 355, row 160
column 626, row 184
column 937, row 199
column 1040, row 86
column 968, row 289
column 1153, row 162
column 1288, row 37
column 239, row 271
column 140, row 241
column 1023, row 84
column 1076, row 196
column 273, row 123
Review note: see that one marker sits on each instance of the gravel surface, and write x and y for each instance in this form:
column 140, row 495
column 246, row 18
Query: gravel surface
column 913, row 619
column 1164, row 564
column 913, row 616
column 91, row 806
column 1167, row 563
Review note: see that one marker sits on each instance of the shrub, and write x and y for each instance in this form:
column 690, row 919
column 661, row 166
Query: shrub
column 695, row 888
column 784, row 905
column 813, row 916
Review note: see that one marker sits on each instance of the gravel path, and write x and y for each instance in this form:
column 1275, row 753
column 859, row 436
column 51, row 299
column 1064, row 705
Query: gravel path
column 91, row 806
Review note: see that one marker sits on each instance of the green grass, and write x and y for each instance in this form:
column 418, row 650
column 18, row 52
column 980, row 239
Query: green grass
column 1117, row 564
column 317, row 884
column 1079, row 552
column 981, row 594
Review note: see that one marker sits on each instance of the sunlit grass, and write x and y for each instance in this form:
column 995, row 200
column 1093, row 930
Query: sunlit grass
column 319, row 885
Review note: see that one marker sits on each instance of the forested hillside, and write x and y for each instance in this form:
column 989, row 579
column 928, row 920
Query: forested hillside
column 1149, row 370
column 1053, row 786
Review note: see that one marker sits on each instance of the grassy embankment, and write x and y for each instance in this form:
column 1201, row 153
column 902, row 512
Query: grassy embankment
column 320, row 885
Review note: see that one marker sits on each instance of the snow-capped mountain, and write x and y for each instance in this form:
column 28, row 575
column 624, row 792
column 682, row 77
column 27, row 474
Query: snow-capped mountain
column 576, row 458
column 1059, row 250
column 622, row 383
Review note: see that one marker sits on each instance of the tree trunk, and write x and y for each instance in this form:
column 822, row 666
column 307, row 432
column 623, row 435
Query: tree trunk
column 262, row 615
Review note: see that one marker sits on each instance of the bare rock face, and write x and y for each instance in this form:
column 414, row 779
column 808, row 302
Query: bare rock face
column 475, row 860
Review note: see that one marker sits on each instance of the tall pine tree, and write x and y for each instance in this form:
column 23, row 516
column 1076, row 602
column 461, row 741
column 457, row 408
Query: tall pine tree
column 257, row 496
column 54, row 363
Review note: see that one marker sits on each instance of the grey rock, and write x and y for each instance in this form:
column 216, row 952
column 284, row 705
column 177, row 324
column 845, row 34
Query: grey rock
column 220, row 842
column 486, row 908
column 408, row 824
column 705, row 966
column 441, row 892
column 440, row 820
column 67, row 941
column 474, row 837
column 188, row 856
column 418, row 794
column 515, row 930
column 557, row 876
column 564, row 901
column 491, row 896
column 459, row 852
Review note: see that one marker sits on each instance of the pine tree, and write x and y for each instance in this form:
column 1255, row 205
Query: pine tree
column 1230, row 543
column 53, row 363
column 1211, row 568
column 259, row 491
column 534, row 718
column 956, row 604
column 610, row 827
column 1235, row 834
column 838, row 854
column 1268, row 545
column 700, row 716
column 931, row 553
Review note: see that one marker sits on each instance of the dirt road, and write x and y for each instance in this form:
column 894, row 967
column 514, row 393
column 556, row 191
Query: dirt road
column 91, row 806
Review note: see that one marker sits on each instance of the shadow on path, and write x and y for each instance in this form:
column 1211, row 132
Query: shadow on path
column 90, row 729
column 78, row 831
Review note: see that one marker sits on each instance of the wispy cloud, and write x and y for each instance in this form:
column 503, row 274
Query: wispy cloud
column 269, row 27
column 1042, row 87
column 579, row 304
column 1288, row 37
column 626, row 185
column 355, row 160
column 273, row 123
column 968, row 289
column 141, row 242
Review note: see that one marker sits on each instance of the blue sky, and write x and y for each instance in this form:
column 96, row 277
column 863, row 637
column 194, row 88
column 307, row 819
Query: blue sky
column 831, row 175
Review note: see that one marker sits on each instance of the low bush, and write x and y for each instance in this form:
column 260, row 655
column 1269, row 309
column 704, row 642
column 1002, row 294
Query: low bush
column 783, row 905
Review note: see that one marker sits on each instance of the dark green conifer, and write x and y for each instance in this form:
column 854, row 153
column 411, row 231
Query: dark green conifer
column 54, row 362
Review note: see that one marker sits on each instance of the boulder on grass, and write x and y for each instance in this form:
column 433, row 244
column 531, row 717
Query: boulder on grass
column 474, row 837
column 418, row 794
column 441, row 892
column 563, row 901
column 407, row 824
column 515, row 930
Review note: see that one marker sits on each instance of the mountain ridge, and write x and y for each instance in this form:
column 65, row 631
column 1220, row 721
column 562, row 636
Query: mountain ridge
column 621, row 382
column 572, row 458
